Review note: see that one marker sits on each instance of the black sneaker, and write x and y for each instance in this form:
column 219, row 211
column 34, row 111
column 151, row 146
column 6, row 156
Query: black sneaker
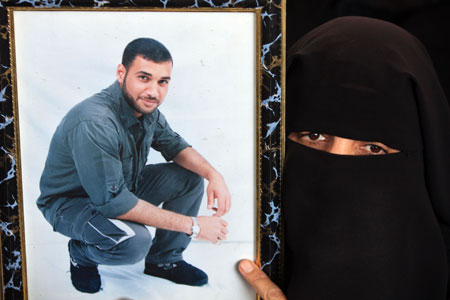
column 85, row 279
column 179, row 272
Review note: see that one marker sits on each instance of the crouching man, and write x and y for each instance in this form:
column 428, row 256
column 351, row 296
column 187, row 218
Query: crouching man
column 97, row 189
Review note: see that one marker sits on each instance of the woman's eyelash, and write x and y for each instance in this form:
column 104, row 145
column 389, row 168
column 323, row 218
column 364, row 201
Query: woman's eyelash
column 313, row 136
column 377, row 148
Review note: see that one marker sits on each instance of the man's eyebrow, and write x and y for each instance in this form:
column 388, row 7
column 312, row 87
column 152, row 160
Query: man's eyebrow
column 150, row 74
column 145, row 73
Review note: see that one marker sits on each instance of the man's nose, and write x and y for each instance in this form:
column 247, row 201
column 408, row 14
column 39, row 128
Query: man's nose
column 151, row 90
column 342, row 146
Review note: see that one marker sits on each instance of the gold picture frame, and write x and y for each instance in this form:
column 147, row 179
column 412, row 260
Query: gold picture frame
column 268, row 124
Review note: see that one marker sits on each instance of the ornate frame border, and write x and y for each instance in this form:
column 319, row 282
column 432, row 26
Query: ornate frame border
column 270, row 130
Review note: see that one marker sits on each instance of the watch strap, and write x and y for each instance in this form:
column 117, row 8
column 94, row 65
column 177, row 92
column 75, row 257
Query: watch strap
column 195, row 228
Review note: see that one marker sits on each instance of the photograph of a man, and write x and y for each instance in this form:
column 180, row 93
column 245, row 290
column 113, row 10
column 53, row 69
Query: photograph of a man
column 97, row 189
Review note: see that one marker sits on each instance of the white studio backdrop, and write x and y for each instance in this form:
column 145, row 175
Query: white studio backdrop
column 63, row 57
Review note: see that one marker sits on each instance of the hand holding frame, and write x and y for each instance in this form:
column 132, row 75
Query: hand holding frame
column 259, row 281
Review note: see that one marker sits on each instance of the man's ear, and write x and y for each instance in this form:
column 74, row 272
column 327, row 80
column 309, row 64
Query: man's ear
column 120, row 73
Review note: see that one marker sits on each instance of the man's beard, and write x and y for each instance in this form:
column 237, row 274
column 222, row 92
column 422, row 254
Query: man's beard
column 129, row 99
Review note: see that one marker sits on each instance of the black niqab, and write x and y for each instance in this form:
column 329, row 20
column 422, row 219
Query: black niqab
column 366, row 227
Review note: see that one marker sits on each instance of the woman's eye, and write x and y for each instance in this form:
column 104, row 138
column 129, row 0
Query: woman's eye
column 311, row 139
column 312, row 136
column 375, row 149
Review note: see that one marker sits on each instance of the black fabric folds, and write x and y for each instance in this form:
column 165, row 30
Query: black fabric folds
column 366, row 227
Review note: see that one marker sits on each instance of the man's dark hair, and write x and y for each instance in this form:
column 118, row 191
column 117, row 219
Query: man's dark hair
column 148, row 48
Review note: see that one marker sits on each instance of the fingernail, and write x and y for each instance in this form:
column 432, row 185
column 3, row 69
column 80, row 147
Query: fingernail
column 246, row 266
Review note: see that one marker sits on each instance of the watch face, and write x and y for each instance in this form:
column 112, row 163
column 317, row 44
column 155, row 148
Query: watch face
column 195, row 229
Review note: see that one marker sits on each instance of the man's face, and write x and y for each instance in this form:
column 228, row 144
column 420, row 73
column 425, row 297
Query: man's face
column 144, row 84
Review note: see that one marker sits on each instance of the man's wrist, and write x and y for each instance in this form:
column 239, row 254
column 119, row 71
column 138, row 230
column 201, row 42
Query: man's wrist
column 212, row 174
column 195, row 229
column 187, row 225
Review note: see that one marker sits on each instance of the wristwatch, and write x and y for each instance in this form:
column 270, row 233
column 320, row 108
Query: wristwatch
column 195, row 228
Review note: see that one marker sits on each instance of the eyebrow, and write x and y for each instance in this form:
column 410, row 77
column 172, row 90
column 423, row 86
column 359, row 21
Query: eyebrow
column 150, row 74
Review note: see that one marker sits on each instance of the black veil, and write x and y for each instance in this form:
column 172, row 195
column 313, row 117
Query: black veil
column 368, row 80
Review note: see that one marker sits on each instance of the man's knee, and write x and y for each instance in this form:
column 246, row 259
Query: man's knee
column 195, row 181
column 184, row 176
column 188, row 180
column 165, row 183
column 132, row 248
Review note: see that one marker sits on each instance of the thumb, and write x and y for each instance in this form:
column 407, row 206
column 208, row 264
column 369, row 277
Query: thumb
column 210, row 199
column 259, row 281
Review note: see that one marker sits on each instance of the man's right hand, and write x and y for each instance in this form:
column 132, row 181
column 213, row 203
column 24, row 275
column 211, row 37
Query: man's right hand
column 212, row 229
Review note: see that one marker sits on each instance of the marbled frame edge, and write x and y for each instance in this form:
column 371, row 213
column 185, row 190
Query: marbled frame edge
column 270, row 131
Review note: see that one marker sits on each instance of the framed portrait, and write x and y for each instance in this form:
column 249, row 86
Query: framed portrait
column 225, row 98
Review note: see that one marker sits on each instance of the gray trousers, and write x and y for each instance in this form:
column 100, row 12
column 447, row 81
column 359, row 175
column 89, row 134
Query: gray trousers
column 95, row 239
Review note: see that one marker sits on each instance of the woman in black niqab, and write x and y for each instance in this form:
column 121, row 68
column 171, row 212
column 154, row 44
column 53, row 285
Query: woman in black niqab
column 367, row 226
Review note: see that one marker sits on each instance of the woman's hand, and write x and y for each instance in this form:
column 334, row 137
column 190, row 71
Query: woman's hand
column 259, row 281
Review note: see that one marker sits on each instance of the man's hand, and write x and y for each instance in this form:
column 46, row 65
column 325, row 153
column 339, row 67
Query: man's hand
column 212, row 229
column 217, row 189
column 259, row 281
column 190, row 159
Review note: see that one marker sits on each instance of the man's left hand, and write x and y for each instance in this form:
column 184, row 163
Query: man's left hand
column 190, row 159
column 217, row 189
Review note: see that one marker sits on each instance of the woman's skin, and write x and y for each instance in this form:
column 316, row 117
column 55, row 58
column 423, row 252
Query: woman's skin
column 259, row 281
column 324, row 142
column 338, row 145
